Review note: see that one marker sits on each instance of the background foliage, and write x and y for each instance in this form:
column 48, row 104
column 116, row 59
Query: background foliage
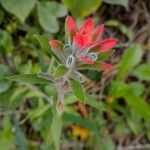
column 121, row 115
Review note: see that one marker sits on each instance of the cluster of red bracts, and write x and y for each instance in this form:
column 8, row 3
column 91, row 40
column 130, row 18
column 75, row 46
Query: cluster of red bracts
column 84, row 42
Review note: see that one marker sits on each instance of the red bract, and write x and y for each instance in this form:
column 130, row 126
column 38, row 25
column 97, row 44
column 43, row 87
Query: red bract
column 86, row 60
column 106, row 67
column 85, row 40
column 70, row 29
column 56, row 45
column 87, row 27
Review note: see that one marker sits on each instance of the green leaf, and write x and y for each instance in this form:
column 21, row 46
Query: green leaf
column 19, row 92
column 105, row 55
column 48, row 12
column 93, row 102
column 45, row 76
column 135, row 124
column 7, row 138
column 70, row 99
column 118, row 89
column 19, row 8
column 77, row 89
column 96, row 66
column 56, row 130
column 77, row 76
column 138, row 104
column 137, row 88
column 82, row 9
column 4, row 84
column 6, row 41
column 37, row 112
column 130, row 59
column 118, row 2
column 28, row 78
column 107, row 144
column 45, row 46
column 60, row 71
column 142, row 72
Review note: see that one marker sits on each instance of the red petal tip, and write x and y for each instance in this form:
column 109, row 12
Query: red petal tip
column 98, row 32
column 86, row 60
column 107, row 44
column 71, row 24
column 106, row 67
column 55, row 44
column 87, row 26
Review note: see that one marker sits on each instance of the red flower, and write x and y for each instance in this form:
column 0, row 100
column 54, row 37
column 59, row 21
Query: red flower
column 85, row 40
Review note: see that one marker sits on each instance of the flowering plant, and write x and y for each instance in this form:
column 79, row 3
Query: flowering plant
column 80, row 51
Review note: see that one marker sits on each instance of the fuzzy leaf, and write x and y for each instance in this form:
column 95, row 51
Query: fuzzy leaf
column 28, row 78
column 45, row 46
column 60, row 71
column 96, row 66
column 93, row 102
column 105, row 55
column 77, row 89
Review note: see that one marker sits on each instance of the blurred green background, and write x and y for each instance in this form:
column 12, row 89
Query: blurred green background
column 25, row 114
